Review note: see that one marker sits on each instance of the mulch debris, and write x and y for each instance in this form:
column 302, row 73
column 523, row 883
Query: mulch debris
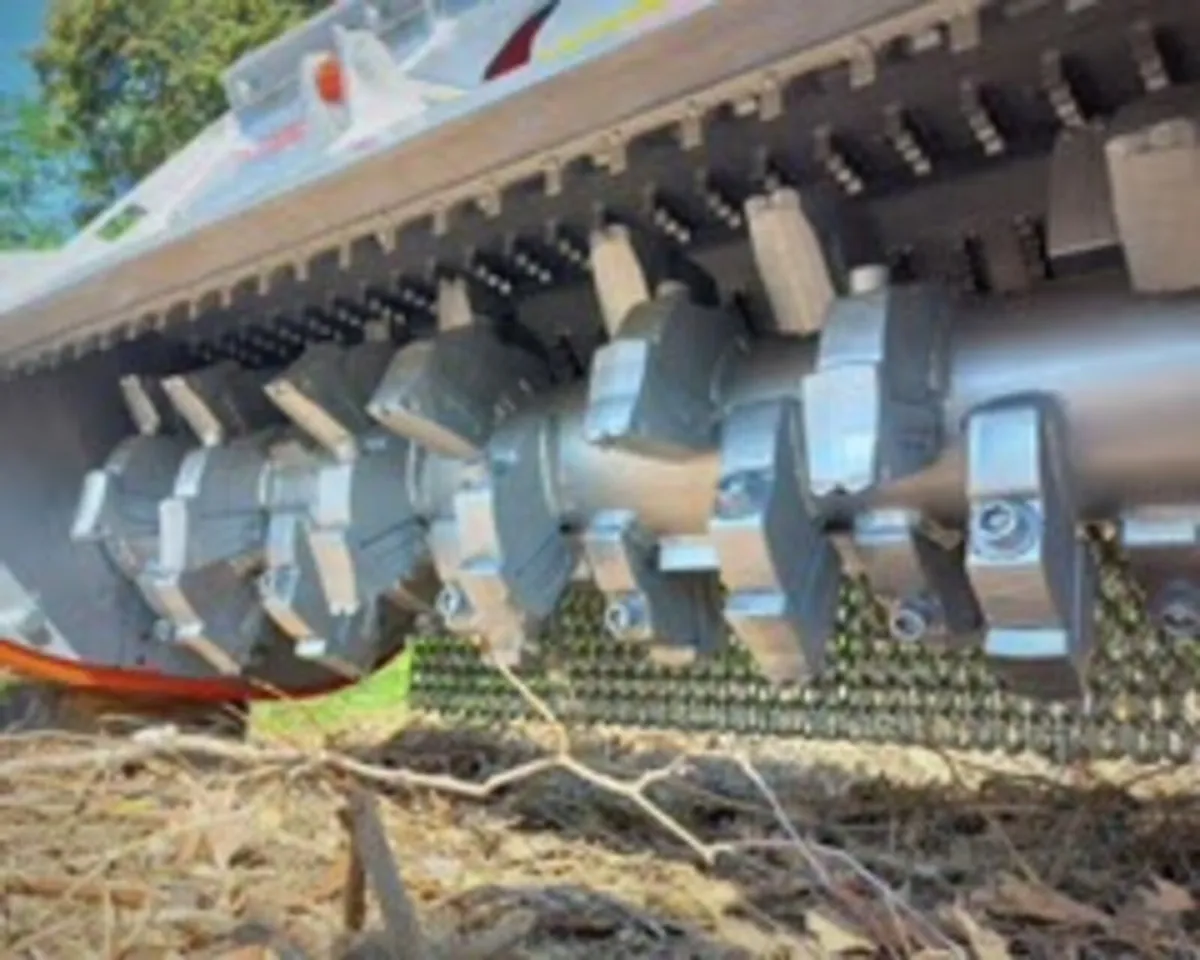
column 165, row 845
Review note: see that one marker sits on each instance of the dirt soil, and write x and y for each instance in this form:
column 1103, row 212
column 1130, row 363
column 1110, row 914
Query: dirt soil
column 165, row 845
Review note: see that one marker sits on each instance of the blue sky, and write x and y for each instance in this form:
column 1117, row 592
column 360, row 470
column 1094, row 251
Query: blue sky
column 20, row 28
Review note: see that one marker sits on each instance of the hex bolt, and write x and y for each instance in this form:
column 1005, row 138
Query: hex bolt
column 625, row 617
column 909, row 621
column 1003, row 527
column 1180, row 620
column 452, row 603
column 1178, row 612
column 741, row 494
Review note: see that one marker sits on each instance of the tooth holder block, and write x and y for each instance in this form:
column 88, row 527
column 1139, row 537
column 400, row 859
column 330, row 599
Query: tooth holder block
column 1033, row 572
column 873, row 404
column 449, row 394
column 675, row 614
column 779, row 569
column 874, row 412
column 651, row 389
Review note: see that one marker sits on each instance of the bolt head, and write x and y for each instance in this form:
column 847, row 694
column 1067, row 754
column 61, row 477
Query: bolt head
column 908, row 622
column 1003, row 528
column 452, row 602
column 626, row 617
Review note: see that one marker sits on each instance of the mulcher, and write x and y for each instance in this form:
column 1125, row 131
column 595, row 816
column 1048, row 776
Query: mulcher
column 813, row 369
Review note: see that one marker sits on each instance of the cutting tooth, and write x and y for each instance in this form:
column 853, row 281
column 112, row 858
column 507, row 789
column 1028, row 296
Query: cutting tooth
column 441, row 220
column 219, row 402
column 490, row 278
column 691, row 127
column 965, row 30
column 720, row 206
column 1151, row 66
column 144, row 399
column 325, row 393
column 979, row 117
column 790, row 261
column 836, row 164
column 149, row 322
column 385, row 236
column 1060, row 92
column 450, row 391
column 629, row 268
column 377, row 331
column 863, row 66
column 552, row 177
column 490, row 200
column 770, row 99
column 904, row 140
column 454, row 310
column 665, row 220
column 611, row 154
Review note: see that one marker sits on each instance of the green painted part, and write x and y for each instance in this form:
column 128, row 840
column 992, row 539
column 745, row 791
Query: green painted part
column 384, row 693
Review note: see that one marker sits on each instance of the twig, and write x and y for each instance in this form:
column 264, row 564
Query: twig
column 256, row 934
column 57, row 888
column 374, row 852
column 369, row 836
column 494, row 942
column 994, row 825
column 354, row 894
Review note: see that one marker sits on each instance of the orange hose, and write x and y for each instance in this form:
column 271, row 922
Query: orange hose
column 32, row 665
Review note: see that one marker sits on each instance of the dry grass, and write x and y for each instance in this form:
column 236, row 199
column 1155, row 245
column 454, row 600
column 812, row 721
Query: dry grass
column 188, row 847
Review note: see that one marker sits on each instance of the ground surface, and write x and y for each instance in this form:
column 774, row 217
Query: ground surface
column 163, row 845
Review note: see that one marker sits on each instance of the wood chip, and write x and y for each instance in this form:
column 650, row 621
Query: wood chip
column 1018, row 898
column 1167, row 898
column 985, row 943
column 837, row 937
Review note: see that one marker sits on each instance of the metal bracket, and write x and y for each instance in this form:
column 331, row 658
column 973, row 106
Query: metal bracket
column 353, row 540
column 212, row 531
column 216, row 512
column 146, row 402
column 651, row 389
column 213, row 611
column 1162, row 545
column 364, row 534
column 781, row 573
column 630, row 267
column 873, row 404
column 1081, row 226
column 292, row 594
column 791, row 261
column 221, row 402
column 1034, row 576
column 22, row 617
column 451, row 392
column 918, row 569
column 119, row 503
column 326, row 391
column 514, row 559
column 1152, row 154
column 677, row 615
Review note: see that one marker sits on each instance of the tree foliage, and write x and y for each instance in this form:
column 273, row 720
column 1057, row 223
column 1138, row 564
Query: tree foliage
column 132, row 81
column 37, row 177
